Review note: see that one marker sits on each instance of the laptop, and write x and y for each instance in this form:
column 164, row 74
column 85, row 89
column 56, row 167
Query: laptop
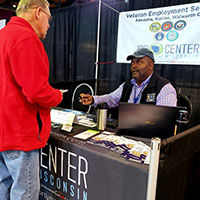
column 145, row 120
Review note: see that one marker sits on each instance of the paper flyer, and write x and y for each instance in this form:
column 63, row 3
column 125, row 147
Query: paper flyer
column 86, row 134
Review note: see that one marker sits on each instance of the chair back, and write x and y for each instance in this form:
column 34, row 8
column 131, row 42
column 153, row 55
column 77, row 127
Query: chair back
column 81, row 88
column 184, row 101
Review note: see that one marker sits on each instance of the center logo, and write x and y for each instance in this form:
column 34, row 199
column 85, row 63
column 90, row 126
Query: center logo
column 156, row 48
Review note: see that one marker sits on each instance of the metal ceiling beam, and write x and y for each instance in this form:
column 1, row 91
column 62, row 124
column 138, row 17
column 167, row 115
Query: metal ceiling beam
column 8, row 8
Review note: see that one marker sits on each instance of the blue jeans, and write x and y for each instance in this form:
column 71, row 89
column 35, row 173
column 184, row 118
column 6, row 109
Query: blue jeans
column 19, row 175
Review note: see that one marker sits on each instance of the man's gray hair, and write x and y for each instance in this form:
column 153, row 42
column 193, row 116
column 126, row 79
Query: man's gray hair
column 24, row 5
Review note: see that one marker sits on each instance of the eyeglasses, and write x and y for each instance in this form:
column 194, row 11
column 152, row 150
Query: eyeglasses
column 49, row 16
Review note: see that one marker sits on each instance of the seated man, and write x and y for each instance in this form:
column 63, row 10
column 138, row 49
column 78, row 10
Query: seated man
column 146, row 86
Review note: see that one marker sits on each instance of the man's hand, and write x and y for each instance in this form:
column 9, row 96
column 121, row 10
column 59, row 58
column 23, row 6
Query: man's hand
column 86, row 99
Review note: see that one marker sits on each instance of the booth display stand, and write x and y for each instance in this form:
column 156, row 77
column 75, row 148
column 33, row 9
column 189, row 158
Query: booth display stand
column 74, row 169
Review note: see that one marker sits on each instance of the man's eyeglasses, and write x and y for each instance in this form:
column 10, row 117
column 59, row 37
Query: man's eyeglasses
column 49, row 16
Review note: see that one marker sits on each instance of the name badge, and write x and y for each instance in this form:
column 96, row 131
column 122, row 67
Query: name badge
column 151, row 97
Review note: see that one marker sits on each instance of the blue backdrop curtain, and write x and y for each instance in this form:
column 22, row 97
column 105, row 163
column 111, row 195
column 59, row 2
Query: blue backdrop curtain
column 71, row 48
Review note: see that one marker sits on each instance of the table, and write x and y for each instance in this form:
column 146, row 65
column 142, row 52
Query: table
column 73, row 169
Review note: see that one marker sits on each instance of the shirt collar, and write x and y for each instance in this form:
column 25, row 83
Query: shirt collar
column 133, row 82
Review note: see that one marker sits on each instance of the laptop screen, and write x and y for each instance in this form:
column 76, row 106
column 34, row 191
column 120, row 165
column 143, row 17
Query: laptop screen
column 145, row 120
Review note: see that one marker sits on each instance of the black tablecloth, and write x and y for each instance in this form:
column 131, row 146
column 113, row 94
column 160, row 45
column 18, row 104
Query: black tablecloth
column 76, row 170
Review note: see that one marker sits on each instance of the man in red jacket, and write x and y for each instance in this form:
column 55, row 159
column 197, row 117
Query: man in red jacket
column 25, row 99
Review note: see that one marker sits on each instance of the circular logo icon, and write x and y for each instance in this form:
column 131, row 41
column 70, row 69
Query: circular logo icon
column 159, row 36
column 180, row 25
column 157, row 48
column 167, row 26
column 172, row 35
column 154, row 27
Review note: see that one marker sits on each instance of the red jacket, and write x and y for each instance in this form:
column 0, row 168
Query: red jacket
column 24, row 88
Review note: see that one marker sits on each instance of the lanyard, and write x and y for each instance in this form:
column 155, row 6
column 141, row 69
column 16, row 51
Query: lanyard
column 136, row 98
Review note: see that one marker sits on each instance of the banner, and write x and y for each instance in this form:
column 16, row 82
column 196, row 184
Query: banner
column 172, row 33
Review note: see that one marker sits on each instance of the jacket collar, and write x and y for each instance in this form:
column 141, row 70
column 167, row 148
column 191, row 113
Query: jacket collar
column 22, row 22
